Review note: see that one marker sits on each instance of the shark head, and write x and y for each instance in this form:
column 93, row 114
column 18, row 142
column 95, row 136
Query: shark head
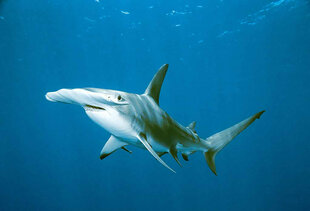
column 101, row 99
column 110, row 109
column 116, row 111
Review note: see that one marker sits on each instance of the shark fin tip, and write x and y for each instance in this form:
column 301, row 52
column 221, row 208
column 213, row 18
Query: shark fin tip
column 102, row 156
column 259, row 114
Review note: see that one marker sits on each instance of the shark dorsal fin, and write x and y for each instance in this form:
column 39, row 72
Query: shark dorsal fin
column 154, row 87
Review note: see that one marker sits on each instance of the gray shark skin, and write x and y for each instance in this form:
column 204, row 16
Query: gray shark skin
column 137, row 120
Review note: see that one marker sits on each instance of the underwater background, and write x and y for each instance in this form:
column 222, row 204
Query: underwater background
column 228, row 60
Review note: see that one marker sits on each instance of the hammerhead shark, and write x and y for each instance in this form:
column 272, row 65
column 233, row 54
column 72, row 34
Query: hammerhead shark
column 137, row 119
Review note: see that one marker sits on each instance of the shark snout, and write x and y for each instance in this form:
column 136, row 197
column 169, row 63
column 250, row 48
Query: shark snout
column 82, row 97
column 49, row 96
column 62, row 96
column 73, row 96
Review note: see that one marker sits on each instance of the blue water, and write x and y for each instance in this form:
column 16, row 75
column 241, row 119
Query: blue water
column 228, row 60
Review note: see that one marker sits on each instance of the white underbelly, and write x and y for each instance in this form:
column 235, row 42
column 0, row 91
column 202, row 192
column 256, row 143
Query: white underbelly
column 114, row 124
column 117, row 126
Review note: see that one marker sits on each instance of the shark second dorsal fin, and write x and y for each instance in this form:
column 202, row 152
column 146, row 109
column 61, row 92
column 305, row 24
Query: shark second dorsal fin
column 153, row 90
column 192, row 125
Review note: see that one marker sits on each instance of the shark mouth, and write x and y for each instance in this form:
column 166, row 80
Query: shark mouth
column 93, row 108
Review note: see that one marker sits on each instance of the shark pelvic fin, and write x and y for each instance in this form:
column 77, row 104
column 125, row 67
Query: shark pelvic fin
column 153, row 90
column 161, row 153
column 173, row 151
column 111, row 146
column 142, row 139
column 185, row 156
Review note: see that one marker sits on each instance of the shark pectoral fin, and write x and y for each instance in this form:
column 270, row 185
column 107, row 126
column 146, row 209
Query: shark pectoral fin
column 153, row 90
column 173, row 151
column 111, row 146
column 142, row 139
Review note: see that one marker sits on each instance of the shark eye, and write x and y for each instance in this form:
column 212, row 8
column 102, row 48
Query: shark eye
column 119, row 98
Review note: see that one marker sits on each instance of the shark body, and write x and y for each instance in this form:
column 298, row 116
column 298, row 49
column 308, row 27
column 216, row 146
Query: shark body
column 138, row 120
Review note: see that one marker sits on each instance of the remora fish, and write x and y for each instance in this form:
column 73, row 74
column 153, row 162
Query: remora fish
column 137, row 120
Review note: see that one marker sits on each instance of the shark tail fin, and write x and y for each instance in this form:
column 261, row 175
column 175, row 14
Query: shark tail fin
column 219, row 140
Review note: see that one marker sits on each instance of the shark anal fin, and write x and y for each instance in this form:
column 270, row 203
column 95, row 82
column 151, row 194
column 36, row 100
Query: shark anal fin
column 153, row 90
column 173, row 151
column 142, row 139
column 185, row 156
column 111, row 146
